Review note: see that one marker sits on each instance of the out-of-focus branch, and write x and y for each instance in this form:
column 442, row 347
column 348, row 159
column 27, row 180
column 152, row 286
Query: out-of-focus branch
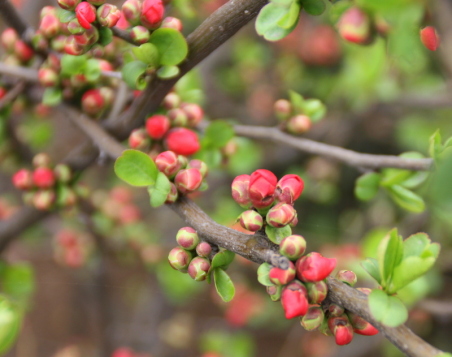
column 12, row 94
column 436, row 307
column 13, row 19
column 350, row 157
column 29, row 74
column 122, row 34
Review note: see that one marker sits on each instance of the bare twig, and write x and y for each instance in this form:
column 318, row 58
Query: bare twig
column 12, row 94
column 123, row 34
column 26, row 73
column 350, row 157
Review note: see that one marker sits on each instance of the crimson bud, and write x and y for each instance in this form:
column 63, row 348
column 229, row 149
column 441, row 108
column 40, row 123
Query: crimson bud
column 188, row 180
column 152, row 13
column 182, row 141
column 139, row 139
column 157, row 126
column 203, row 249
column 293, row 300
column 354, row 26
column 43, row 177
column 293, row 246
column 341, row 329
column 23, row 179
column 262, row 187
column 314, row 267
column 251, row 220
column 200, row 165
column 430, row 38
column 289, row 188
column 108, row 15
column 179, row 259
column 281, row 215
column 22, row 51
column 361, row 326
column 168, row 163
column 172, row 23
column 313, row 318
column 187, row 238
column 86, row 14
column 132, row 11
column 282, row 277
column 198, row 268
column 93, row 102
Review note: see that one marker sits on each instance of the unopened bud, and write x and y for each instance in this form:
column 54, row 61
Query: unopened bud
column 198, row 268
column 188, row 180
column 140, row 35
column 132, row 11
column 71, row 47
column 293, row 246
column 43, row 177
column 157, row 126
column 298, row 124
column 289, row 188
column 354, row 26
column 341, row 329
column 86, row 14
column 62, row 173
column 50, row 25
column 361, row 326
column 173, row 194
column 93, row 103
column 283, row 109
column 262, row 188
column 275, row 292
column 43, row 199
column 280, row 215
column 314, row 267
column 168, row 163
column 23, row 179
column 187, row 238
column 66, row 197
column 179, row 259
column 313, row 318
column 139, row 139
column 240, row 191
column 172, row 23
column 22, row 51
column 9, row 38
column 178, row 117
column 68, row 4
column 282, row 277
column 203, row 249
column 171, row 100
column 293, row 300
column 194, row 113
column 317, row 292
column 429, row 38
column 108, row 15
column 152, row 13
column 200, row 165
column 347, row 276
column 251, row 220
column 42, row 160
column 335, row 310
column 182, row 141
column 48, row 77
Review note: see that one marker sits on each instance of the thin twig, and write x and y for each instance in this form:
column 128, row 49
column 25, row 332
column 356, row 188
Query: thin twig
column 121, row 99
column 26, row 73
column 123, row 34
column 12, row 94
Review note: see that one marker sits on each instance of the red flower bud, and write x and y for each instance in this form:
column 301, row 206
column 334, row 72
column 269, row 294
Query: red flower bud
column 313, row 318
column 43, row 199
column 282, row 277
column 294, row 301
column 179, row 259
column 187, row 238
column 3, row 92
column 262, row 187
column 68, row 4
column 281, row 215
column 251, row 220
column 152, row 13
column 354, row 26
column 347, row 276
column 50, row 25
column 314, row 267
column 157, row 126
column 168, row 163
column 361, row 326
column 86, row 14
column 22, row 51
column 341, row 329
column 194, row 113
column 298, row 124
column 48, row 77
column 289, row 188
column 122, row 23
column 177, row 117
column 140, row 35
column 198, row 268
column 293, row 246
column 23, row 179
column 172, row 23
column 71, row 47
column 93, row 103
column 139, row 139
column 200, row 165
column 123, row 352
column 430, row 38
column 283, row 109
column 132, row 11
column 317, row 292
column 203, row 249
column 108, row 15
column 188, row 180
column 182, row 141
column 43, row 177
column 9, row 38
column 240, row 190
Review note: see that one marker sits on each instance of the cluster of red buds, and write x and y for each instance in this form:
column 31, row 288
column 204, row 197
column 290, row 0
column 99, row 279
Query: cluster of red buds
column 267, row 200
column 171, row 129
column 292, row 120
column 47, row 186
column 71, row 248
column 192, row 256
column 17, row 52
column 127, row 352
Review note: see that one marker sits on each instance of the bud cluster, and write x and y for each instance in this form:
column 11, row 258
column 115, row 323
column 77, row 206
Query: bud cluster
column 47, row 186
column 192, row 255
column 71, row 248
column 292, row 120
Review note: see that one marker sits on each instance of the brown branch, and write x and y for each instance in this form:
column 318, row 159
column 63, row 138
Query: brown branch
column 25, row 73
column 12, row 94
column 352, row 158
column 122, row 34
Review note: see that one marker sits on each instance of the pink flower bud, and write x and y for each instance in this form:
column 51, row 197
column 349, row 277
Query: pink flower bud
column 313, row 318
column 86, row 14
column 108, row 15
column 341, row 329
column 262, row 187
column 172, row 23
column 200, row 165
column 50, row 25
column 157, row 126
column 71, row 47
column 22, row 51
column 168, row 163
column 354, row 26
column 282, row 277
column 187, row 238
column 294, row 301
column 314, row 267
column 132, row 11
column 122, row 23
column 317, row 292
column 280, row 215
column 179, row 259
column 198, row 268
column 96, row 2
column 63, row 173
column 188, row 180
column 68, row 4
column 240, row 190
column 289, row 188
column 9, row 38
column 152, row 13
column 23, row 179
column 93, row 103
column 140, row 35
column 283, row 109
column 139, row 139
column 430, row 38
column 293, row 246
column 251, row 220
column 203, row 249
column 298, row 124
column 173, row 194
column 178, row 117
column 88, row 38
column 171, row 100
column 43, row 177
column 194, row 113
column 275, row 292
column 43, row 199
column 361, row 326
column 182, row 141
column 48, row 77
column 347, row 276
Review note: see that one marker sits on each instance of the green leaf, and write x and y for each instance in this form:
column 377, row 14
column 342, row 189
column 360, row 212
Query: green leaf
column 416, row 179
column 71, row 65
column 136, row 168
column 313, row 7
column 394, row 176
column 390, row 254
column 297, row 101
column 314, row 109
column 168, row 72
column 134, row 74
column 171, row 46
column 388, row 310
column 371, row 266
column 212, row 157
column 445, row 354
column 18, row 281
column 105, row 36
column 285, row 3
column 160, row 190
column 409, row 270
column 223, row 284
column 147, row 53
column 222, row 259
column 218, row 134
column 276, row 235
column 52, row 96
column 92, row 70
column 406, row 199
column 10, row 321
column 291, row 17
column 417, row 245
column 435, row 148
column 267, row 22
column 263, row 274
column 65, row 15
column 367, row 186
